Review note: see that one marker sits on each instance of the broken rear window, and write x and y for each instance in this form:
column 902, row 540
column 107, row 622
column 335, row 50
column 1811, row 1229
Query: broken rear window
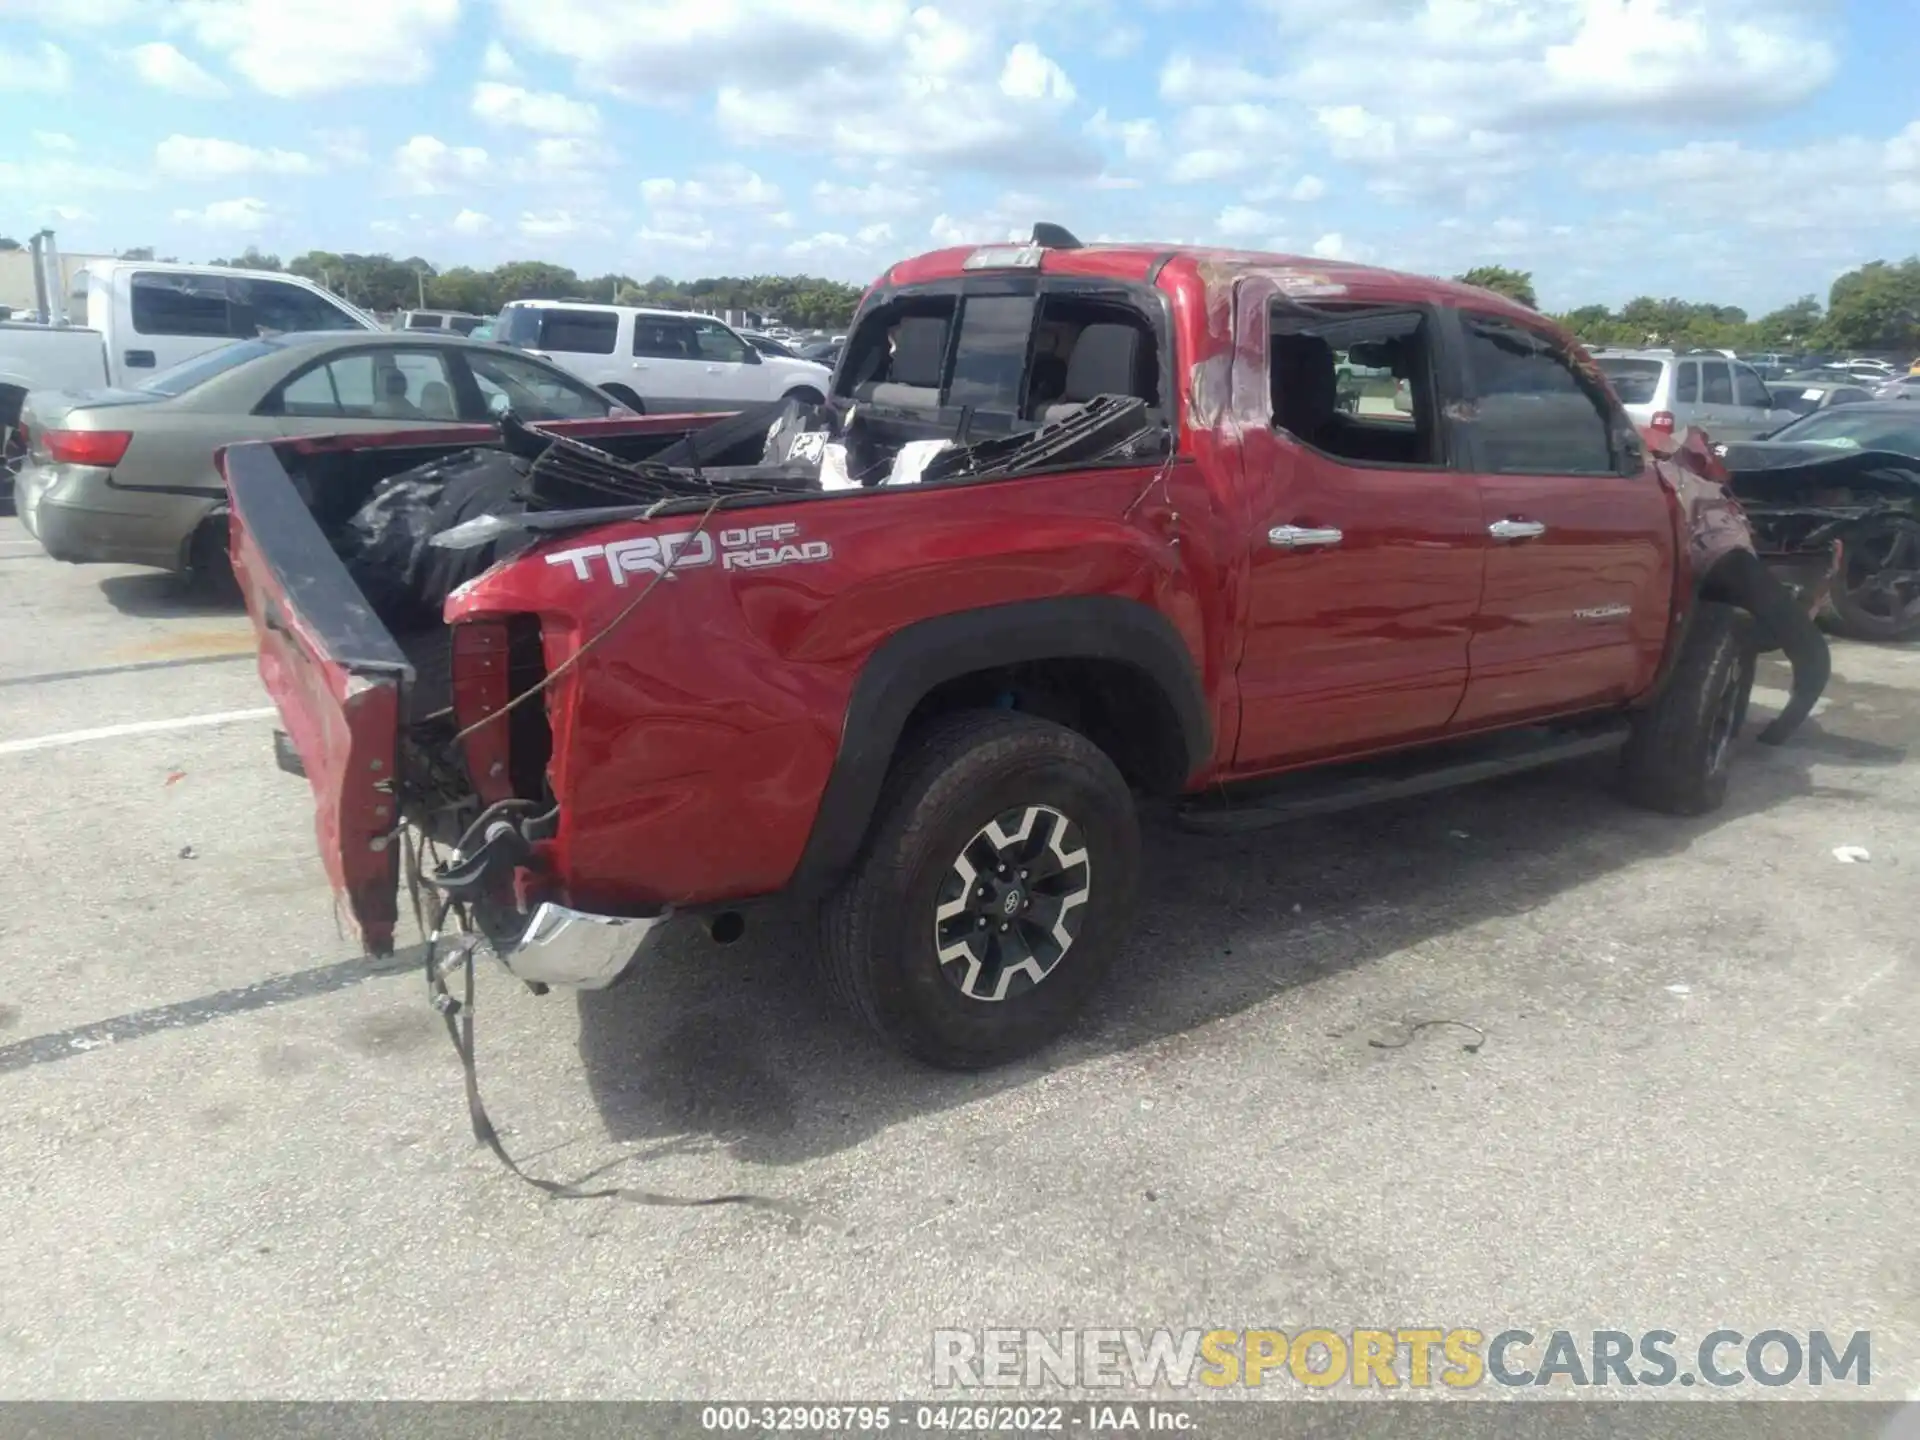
column 990, row 362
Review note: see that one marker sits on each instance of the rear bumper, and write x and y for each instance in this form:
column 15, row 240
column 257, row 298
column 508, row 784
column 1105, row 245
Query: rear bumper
column 78, row 516
column 578, row 951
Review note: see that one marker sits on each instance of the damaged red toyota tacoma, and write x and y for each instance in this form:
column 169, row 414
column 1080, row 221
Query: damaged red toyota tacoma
column 1079, row 525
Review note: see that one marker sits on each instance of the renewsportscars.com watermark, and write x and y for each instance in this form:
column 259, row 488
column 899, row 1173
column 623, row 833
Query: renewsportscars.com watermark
column 1418, row 1358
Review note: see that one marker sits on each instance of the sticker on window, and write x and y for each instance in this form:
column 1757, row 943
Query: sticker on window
column 1809, row 394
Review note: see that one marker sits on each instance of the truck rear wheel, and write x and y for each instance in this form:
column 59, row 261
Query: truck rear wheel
column 1677, row 757
column 992, row 893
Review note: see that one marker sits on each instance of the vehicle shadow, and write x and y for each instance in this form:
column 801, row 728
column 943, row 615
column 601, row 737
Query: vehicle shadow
column 742, row 1048
column 156, row 595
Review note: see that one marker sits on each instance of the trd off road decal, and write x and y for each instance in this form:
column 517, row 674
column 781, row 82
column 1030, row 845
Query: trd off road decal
column 755, row 547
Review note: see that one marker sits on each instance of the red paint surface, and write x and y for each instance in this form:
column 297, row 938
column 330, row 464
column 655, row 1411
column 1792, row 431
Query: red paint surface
column 692, row 745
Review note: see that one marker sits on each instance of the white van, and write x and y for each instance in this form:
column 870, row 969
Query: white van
column 664, row 361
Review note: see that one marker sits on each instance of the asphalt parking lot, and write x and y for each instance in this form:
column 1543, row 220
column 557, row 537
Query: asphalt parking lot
column 239, row 1164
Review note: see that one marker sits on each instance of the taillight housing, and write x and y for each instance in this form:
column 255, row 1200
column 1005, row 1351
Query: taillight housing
column 105, row 448
column 1662, row 421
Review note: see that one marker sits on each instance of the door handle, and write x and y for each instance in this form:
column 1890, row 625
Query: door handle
column 713, row 369
column 1516, row 529
column 1295, row 537
column 639, row 365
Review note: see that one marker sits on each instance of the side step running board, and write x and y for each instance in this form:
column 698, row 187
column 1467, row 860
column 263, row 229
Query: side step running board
column 1394, row 777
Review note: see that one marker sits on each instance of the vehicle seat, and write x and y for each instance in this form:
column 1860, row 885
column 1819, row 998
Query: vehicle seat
column 913, row 372
column 1049, row 381
column 1105, row 361
column 436, row 401
column 393, row 403
column 1305, row 388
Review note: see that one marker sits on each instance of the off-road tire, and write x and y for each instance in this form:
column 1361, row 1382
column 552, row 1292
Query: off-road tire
column 1678, row 755
column 951, row 779
column 1856, row 611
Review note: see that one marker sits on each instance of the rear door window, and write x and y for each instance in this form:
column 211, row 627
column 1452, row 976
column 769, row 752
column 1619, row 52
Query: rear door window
column 659, row 338
column 1686, row 385
column 1716, row 383
column 371, row 385
column 580, row 332
column 990, row 361
column 1634, row 381
column 165, row 304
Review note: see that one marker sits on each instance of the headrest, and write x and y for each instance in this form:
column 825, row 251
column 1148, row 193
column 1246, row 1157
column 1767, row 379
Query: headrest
column 919, row 350
column 1104, row 362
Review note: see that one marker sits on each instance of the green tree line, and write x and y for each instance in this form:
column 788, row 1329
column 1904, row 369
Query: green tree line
column 1873, row 308
column 1876, row 307
column 380, row 282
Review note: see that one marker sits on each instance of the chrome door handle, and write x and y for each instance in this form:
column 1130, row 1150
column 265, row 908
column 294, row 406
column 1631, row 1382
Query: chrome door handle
column 1516, row 529
column 1294, row 537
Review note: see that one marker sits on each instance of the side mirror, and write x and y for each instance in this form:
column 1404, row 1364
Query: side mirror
column 752, row 356
column 499, row 406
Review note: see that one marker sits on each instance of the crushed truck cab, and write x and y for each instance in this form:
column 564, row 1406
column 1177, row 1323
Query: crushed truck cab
column 1078, row 525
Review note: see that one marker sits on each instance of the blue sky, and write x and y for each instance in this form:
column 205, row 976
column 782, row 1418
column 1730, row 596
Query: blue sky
column 1743, row 151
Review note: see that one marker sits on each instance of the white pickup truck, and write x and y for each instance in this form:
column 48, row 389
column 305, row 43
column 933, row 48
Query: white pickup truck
column 142, row 318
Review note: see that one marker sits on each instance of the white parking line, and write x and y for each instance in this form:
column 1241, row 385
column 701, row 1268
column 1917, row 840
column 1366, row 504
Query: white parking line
column 138, row 727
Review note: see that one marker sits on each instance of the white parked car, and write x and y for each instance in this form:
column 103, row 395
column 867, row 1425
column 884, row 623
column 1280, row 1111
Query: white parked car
column 663, row 361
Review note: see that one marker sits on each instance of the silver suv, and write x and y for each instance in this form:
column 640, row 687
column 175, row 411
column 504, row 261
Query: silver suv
column 1669, row 392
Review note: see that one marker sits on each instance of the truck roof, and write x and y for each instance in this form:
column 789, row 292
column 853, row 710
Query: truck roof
column 1215, row 266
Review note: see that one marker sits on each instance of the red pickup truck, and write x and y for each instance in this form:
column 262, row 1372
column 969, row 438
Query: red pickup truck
column 1159, row 551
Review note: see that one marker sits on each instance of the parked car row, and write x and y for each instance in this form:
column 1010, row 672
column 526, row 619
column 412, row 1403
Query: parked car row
column 128, row 475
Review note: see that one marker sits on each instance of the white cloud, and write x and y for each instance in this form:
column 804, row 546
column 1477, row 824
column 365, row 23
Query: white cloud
column 1242, row 222
column 556, row 225
column 663, row 50
column 427, row 165
column 1307, row 189
column 676, row 239
column 44, row 69
column 192, row 157
column 874, row 235
column 728, row 186
column 868, row 80
column 501, row 104
column 166, row 68
column 1139, row 140
column 245, row 216
column 55, row 140
column 473, row 224
column 1030, row 75
column 882, row 197
column 1332, row 246
column 497, row 62
column 297, row 48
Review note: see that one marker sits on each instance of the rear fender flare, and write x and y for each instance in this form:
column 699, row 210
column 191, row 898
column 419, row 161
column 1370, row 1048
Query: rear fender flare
column 910, row 663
